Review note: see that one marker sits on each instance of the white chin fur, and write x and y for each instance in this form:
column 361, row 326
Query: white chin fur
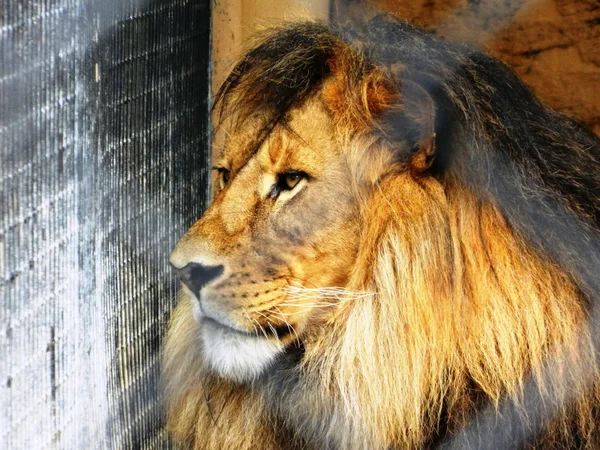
column 236, row 356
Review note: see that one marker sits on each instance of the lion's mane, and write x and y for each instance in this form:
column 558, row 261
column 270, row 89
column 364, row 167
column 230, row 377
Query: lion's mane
column 483, row 330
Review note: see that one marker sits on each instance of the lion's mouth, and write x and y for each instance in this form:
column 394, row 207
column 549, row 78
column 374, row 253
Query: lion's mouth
column 260, row 331
column 208, row 321
column 254, row 328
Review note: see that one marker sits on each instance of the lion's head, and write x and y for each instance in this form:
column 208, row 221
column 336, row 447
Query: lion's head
column 283, row 217
column 383, row 258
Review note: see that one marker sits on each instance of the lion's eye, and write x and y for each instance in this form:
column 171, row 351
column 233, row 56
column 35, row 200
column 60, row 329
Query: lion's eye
column 223, row 176
column 289, row 180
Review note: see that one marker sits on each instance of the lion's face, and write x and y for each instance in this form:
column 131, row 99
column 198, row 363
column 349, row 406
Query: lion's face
column 283, row 218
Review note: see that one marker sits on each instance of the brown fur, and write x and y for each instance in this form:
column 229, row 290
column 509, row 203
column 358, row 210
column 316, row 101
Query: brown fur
column 442, row 310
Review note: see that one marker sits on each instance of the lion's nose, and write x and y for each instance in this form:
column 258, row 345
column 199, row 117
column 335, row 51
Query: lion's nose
column 195, row 275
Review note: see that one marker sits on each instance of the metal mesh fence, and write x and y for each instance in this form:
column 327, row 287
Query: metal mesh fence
column 103, row 164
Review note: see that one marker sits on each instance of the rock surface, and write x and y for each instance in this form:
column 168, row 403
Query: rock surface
column 553, row 45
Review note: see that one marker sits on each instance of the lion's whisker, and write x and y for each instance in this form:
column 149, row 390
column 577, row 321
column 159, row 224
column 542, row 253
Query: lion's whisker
column 308, row 306
column 261, row 328
column 268, row 323
column 333, row 290
column 250, row 318
column 288, row 324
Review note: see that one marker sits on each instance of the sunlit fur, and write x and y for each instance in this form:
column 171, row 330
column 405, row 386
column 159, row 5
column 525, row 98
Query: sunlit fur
column 468, row 318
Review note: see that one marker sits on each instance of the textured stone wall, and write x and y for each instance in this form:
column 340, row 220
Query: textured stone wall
column 553, row 45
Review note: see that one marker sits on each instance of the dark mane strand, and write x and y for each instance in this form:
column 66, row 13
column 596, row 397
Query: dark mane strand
column 277, row 75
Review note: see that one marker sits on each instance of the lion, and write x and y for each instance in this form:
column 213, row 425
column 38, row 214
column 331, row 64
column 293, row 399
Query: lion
column 402, row 253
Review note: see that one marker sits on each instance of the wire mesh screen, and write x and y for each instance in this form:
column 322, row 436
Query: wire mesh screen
column 103, row 164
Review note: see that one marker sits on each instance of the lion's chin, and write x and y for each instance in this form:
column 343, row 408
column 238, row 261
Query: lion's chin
column 237, row 356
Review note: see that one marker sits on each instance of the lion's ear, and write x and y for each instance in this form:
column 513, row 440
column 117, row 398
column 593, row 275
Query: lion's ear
column 356, row 96
column 378, row 100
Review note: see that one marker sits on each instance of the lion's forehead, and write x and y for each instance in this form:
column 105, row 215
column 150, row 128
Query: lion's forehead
column 306, row 142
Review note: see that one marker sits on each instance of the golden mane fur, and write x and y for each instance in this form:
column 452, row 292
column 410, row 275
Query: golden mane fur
column 459, row 323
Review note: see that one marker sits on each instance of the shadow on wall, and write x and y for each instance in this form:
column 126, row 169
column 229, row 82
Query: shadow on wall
column 150, row 87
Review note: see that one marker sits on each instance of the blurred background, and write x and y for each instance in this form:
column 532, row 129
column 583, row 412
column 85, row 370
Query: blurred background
column 105, row 162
